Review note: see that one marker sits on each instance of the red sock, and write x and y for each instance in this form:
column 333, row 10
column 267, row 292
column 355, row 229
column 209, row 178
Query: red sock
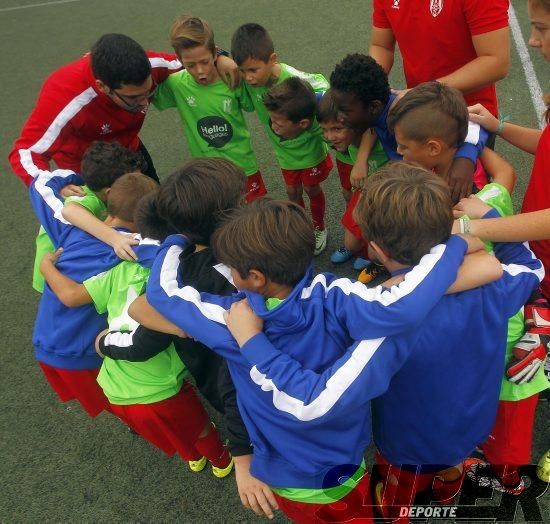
column 445, row 492
column 508, row 474
column 317, row 204
column 212, row 448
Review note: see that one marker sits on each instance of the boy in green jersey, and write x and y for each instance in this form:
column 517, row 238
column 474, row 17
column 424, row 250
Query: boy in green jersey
column 102, row 164
column 304, row 158
column 433, row 147
column 151, row 397
column 211, row 112
column 344, row 141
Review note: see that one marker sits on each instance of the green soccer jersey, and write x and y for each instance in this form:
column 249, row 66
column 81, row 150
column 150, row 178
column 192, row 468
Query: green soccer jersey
column 345, row 158
column 498, row 198
column 124, row 382
column 306, row 150
column 212, row 118
column 43, row 242
column 377, row 157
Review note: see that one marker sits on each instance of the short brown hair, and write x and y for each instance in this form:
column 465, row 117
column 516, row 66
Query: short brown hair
column 293, row 98
column 190, row 31
column 195, row 198
column 406, row 210
column 326, row 108
column 431, row 110
column 126, row 192
column 251, row 41
column 271, row 236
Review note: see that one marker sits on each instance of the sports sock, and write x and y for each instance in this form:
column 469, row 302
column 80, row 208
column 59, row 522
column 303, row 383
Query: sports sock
column 317, row 204
column 212, row 448
column 508, row 474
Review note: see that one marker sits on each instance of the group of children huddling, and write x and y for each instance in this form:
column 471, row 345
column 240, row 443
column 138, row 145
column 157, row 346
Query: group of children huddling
column 224, row 291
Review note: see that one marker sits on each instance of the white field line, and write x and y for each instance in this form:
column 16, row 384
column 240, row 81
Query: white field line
column 528, row 69
column 4, row 9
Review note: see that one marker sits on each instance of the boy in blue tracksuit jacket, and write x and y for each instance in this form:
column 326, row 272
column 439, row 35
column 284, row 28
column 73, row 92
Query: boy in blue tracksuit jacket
column 317, row 320
column 442, row 400
column 64, row 337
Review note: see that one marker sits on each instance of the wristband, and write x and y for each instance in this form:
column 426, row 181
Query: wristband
column 465, row 226
column 501, row 121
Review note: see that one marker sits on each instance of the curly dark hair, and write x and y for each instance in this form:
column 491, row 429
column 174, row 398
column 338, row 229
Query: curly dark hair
column 105, row 162
column 363, row 76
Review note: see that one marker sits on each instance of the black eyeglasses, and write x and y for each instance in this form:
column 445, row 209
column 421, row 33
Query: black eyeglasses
column 133, row 102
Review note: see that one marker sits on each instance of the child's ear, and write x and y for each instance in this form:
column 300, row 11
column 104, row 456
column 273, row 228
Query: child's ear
column 305, row 123
column 256, row 279
column 377, row 253
column 434, row 147
column 273, row 58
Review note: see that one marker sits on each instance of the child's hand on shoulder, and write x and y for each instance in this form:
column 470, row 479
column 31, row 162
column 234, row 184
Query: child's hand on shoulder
column 72, row 190
column 472, row 206
column 52, row 258
column 242, row 322
column 122, row 246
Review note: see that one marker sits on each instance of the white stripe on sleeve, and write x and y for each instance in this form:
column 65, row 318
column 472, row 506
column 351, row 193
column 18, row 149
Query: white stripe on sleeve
column 335, row 387
column 53, row 131
column 159, row 61
column 169, row 283
column 385, row 296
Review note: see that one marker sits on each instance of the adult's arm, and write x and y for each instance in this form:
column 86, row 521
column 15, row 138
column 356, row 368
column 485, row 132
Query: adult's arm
column 492, row 62
column 524, row 138
column 382, row 47
column 517, row 228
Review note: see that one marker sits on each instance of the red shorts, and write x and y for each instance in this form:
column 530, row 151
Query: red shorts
column 77, row 384
column 512, row 435
column 347, row 220
column 344, row 171
column 355, row 507
column 255, row 187
column 391, row 498
column 480, row 178
column 310, row 176
column 172, row 425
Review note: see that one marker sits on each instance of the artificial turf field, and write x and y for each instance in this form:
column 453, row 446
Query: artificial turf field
column 57, row 464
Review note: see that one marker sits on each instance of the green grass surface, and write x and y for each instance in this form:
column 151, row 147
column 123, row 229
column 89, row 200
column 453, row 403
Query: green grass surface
column 56, row 463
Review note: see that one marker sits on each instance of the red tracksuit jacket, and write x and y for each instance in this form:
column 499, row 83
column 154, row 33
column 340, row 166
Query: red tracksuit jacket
column 71, row 113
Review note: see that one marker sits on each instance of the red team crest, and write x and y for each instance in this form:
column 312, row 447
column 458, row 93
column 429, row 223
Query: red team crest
column 436, row 6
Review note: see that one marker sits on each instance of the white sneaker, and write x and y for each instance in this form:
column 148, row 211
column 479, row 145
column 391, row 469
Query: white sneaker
column 320, row 240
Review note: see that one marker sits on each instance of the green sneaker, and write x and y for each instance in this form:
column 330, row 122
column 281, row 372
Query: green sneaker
column 197, row 465
column 223, row 472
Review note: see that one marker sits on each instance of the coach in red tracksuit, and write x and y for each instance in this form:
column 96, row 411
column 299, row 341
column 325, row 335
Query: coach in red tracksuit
column 102, row 96
column 461, row 43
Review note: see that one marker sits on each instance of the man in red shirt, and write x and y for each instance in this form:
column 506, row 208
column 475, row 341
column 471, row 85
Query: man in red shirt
column 102, row 96
column 461, row 43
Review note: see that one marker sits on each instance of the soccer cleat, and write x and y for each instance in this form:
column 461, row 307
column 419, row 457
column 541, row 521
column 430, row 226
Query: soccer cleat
column 372, row 271
column 543, row 468
column 197, row 465
column 360, row 263
column 482, row 475
column 341, row 255
column 223, row 472
column 320, row 241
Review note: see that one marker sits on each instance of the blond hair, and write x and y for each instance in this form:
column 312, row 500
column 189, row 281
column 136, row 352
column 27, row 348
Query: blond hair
column 190, row 31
